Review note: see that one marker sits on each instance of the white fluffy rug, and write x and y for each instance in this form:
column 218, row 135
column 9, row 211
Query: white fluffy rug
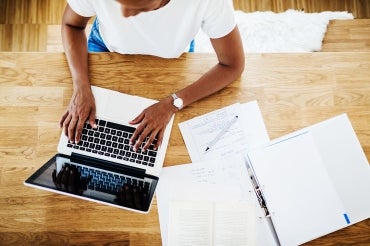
column 290, row 31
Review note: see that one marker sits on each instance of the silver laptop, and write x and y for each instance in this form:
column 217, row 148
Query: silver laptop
column 103, row 166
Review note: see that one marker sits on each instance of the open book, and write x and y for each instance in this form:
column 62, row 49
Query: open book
column 211, row 223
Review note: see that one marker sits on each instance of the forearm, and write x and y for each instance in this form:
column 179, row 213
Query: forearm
column 230, row 54
column 212, row 81
column 75, row 47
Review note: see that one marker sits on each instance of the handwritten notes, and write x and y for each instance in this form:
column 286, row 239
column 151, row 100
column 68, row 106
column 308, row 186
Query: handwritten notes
column 247, row 132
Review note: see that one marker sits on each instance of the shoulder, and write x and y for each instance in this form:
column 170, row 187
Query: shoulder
column 219, row 19
column 82, row 7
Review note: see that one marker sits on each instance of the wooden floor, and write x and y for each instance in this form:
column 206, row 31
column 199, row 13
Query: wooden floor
column 34, row 25
column 347, row 35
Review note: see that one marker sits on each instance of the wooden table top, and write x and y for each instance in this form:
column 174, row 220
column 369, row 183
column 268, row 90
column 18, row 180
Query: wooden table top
column 292, row 90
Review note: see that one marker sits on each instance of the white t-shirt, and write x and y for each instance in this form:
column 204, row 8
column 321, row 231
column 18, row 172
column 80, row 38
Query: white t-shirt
column 165, row 32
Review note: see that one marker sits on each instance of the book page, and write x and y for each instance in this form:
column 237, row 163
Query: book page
column 190, row 223
column 234, row 224
column 211, row 223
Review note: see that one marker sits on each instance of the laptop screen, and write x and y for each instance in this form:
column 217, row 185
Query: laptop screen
column 95, row 182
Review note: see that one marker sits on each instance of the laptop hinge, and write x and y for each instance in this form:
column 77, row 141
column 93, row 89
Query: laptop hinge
column 104, row 164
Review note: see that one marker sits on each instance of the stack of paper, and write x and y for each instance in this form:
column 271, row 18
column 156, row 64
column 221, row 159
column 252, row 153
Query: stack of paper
column 212, row 202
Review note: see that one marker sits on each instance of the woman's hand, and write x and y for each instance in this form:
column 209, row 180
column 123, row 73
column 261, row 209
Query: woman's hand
column 152, row 124
column 81, row 108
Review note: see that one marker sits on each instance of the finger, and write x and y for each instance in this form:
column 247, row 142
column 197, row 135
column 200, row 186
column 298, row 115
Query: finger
column 92, row 119
column 137, row 133
column 159, row 140
column 78, row 131
column 150, row 140
column 142, row 139
column 72, row 129
column 66, row 123
column 63, row 118
column 138, row 119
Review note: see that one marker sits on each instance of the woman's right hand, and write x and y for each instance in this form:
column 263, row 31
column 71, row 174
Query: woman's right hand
column 80, row 108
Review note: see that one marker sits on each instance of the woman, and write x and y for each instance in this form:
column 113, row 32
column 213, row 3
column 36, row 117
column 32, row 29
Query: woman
column 162, row 28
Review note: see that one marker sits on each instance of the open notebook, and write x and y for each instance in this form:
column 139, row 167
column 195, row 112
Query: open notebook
column 103, row 167
column 312, row 182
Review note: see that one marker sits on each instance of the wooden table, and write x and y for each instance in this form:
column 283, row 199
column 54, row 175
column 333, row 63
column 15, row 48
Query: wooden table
column 293, row 91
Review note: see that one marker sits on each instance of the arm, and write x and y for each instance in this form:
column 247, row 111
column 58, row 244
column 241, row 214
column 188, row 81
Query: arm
column 231, row 60
column 230, row 54
column 82, row 104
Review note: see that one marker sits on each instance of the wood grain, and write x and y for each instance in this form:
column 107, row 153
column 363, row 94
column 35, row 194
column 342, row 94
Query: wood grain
column 292, row 90
column 347, row 35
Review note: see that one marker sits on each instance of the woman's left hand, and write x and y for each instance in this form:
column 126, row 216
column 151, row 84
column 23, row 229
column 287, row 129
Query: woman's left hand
column 152, row 124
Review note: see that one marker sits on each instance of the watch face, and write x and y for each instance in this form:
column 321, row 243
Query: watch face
column 178, row 103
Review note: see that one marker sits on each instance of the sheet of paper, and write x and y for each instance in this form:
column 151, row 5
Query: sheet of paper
column 211, row 223
column 246, row 132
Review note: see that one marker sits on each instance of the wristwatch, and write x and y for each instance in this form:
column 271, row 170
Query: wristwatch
column 177, row 101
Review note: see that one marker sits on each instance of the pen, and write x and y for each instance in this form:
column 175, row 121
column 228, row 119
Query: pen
column 221, row 133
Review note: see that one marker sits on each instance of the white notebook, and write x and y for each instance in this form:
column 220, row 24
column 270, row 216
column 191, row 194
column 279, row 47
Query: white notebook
column 314, row 181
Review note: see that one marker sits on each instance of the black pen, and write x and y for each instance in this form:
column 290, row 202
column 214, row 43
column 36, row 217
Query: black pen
column 221, row 133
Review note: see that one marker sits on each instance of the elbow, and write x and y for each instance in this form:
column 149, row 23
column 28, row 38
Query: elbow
column 237, row 66
column 240, row 65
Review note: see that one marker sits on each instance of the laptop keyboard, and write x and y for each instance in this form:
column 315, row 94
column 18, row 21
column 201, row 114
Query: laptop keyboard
column 112, row 140
column 105, row 181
